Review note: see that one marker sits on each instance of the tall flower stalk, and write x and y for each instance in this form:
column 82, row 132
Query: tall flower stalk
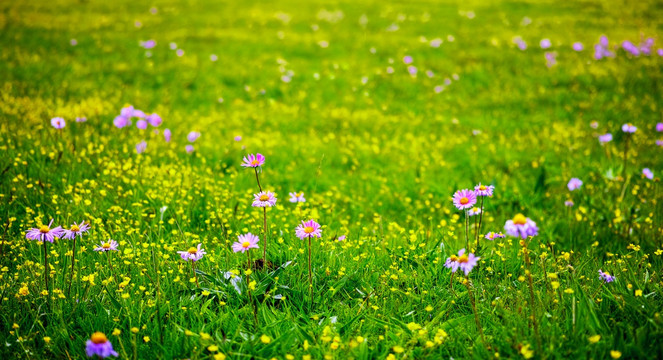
column 528, row 272
column 244, row 244
column 465, row 200
column 45, row 234
column 108, row 247
column 262, row 199
column 74, row 231
column 193, row 255
column 308, row 230
column 482, row 191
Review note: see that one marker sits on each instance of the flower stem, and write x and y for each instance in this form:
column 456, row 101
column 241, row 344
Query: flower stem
column 195, row 276
column 467, row 230
column 264, row 250
column 257, row 178
column 73, row 263
column 625, row 155
column 531, row 294
column 480, row 219
column 46, row 271
column 310, row 276
column 474, row 308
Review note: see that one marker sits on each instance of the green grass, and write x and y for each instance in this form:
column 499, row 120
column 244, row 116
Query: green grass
column 377, row 155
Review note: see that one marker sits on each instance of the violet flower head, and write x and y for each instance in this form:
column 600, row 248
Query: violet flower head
column 493, row 235
column 296, row 197
column 629, row 128
column 605, row 138
column 193, row 136
column 473, row 211
column 484, row 190
column 308, row 229
column 605, row 276
column 545, row 43
column 465, row 262
column 659, row 127
column 551, row 58
column 659, row 142
column 121, row 121
column 81, row 119
column 189, row 148
column 246, row 242
column 141, row 124
column 193, row 254
column 568, row 203
column 141, row 146
column 264, row 199
column 58, row 122
column 238, row 138
column 253, row 161
column 578, row 46
column 630, row 48
column 341, row 238
column 139, row 114
column 521, row 226
column 44, row 233
column 648, row 173
column 464, row 199
column 574, row 184
column 99, row 345
column 110, row 245
column 149, row 44
column 154, row 120
column 407, row 60
column 76, row 230
column 127, row 111
column 167, row 135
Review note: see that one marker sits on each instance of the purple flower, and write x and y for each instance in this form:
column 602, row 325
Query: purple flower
column 578, row 46
column 110, row 245
column 474, row 211
column 246, row 242
column 193, row 136
column 76, row 229
column 308, row 229
column 464, row 199
column 551, row 58
column 296, row 197
column 493, row 235
column 149, row 44
column 189, row 148
column 264, row 199
column 659, row 52
column 141, row 146
column 179, row 52
column 603, row 41
column 521, row 226
column 606, row 276
column 58, row 122
column 659, row 127
column 253, row 160
column 139, row 114
column 645, row 47
column 630, row 48
column 81, row 119
column 154, row 120
column 341, row 238
column 605, row 138
column 238, row 138
column 44, row 233
column 522, row 45
column 127, row 111
column 213, row 57
column 99, row 345
column 141, row 124
column 568, row 203
column 545, row 43
column 648, row 173
column 167, row 135
column 484, row 190
column 412, row 70
column 574, row 184
column 462, row 261
column 121, row 121
column 659, row 142
column 407, row 59
column 629, row 128
column 193, row 254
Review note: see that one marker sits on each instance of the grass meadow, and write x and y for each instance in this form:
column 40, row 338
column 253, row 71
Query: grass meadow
column 127, row 124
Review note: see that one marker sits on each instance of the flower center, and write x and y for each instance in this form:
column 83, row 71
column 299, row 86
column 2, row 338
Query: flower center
column 264, row 197
column 453, row 258
column 106, row 245
column 246, row 244
column 44, row 229
column 464, row 200
column 192, row 250
column 606, row 273
column 75, row 228
column 482, row 187
column 308, row 229
column 520, row 219
column 463, row 259
column 255, row 162
column 98, row 338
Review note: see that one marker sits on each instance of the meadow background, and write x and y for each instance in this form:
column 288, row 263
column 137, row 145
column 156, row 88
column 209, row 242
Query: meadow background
column 378, row 112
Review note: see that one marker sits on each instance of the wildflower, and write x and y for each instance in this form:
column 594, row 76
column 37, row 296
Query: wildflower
column 167, row 135
column 193, row 254
column 341, row 238
column 483, row 190
column 149, row 44
column 308, row 229
column 464, row 199
column 594, row 339
column 76, row 229
column 605, row 276
column 253, row 160
column 659, row 142
column 141, row 146
column 193, row 136
column 81, row 119
column 265, row 339
column 110, row 245
column 44, row 233
column 648, row 173
column 551, row 58
column 100, row 346
column 605, row 138
column 141, row 124
column 578, row 46
column 189, row 148
column 521, row 226
column 121, row 121
column 296, row 197
column 659, row 127
column 24, row 291
column 574, row 184
column 638, row 292
column 462, row 261
column 58, row 122
column 474, row 211
column 526, row 352
column 615, row 354
column 264, row 199
column 629, row 128
column 246, row 242
column 545, row 43
column 154, row 120
column 493, row 235
column 238, row 138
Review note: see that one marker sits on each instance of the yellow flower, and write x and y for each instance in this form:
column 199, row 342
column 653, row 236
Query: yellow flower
column 265, row 339
column 116, row 332
column 594, row 339
column 47, row 339
column 554, row 284
column 213, row 348
column 146, row 338
column 526, row 352
column 219, row 356
column 638, row 292
column 390, row 357
column 615, row 354
column 24, row 291
column 413, row 326
column 205, row 336
column 398, row 349
column 569, row 291
column 15, row 326
column 134, row 330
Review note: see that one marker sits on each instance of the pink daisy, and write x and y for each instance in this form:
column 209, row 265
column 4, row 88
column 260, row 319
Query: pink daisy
column 246, row 242
column 308, row 229
column 629, row 128
column 296, row 197
column 44, row 233
column 110, row 245
column 193, row 254
column 484, row 190
column 253, row 160
column 76, row 229
column 521, row 226
column 574, row 184
column 58, row 122
column 464, row 199
column 264, row 199
column 154, row 120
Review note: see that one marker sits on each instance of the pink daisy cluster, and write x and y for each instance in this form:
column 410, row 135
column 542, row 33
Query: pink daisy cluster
column 463, row 261
column 493, row 235
column 484, row 190
column 143, row 121
column 521, row 226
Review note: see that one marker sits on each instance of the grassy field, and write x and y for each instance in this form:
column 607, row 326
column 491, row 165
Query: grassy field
column 378, row 112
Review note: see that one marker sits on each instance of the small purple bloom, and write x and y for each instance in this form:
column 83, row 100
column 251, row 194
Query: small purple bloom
column 606, row 276
column 58, row 122
column 193, row 136
column 484, row 190
column 545, row 43
column 149, row 44
column 253, row 160
column 659, row 127
column 121, row 121
column 578, row 46
column 110, row 245
column 99, row 345
column 193, row 254
column 76, row 230
column 246, row 242
column 605, row 138
column 407, row 59
column 341, row 238
column 167, row 134
column 308, row 229
column 189, row 148
column 521, row 226
column 127, row 112
column 141, row 146
column 81, row 119
column 154, row 120
column 44, row 233
column 141, row 124
column 568, row 203
column 629, row 128
column 574, row 184
column 296, row 197
column 264, row 199
column 648, row 173
column 139, row 114
column 464, row 199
